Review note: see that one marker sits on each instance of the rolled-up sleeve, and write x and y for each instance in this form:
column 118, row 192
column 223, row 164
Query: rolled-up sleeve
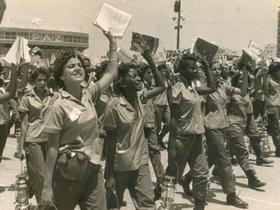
column 54, row 119
column 23, row 105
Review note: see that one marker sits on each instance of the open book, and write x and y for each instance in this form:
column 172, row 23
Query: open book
column 113, row 20
column 205, row 49
column 142, row 42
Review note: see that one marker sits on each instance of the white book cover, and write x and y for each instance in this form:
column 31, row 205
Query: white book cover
column 113, row 20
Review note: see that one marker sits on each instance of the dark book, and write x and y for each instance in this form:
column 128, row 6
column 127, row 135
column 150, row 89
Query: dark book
column 205, row 49
column 142, row 42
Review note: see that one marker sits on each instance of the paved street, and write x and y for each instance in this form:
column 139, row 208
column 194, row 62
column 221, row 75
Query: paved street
column 269, row 199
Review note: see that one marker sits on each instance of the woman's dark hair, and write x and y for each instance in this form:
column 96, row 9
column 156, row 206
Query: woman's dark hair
column 123, row 70
column 235, row 79
column 142, row 70
column 60, row 62
column 37, row 71
column 184, row 61
column 99, row 71
column 273, row 67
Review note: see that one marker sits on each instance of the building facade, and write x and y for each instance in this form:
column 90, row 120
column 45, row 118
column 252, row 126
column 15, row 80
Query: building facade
column 50, row 41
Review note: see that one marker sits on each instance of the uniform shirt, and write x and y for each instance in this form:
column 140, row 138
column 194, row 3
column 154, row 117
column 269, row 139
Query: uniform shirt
column 161, row 99
column 149, row 108
column 273, row 95
column 189, row 104
column 216, row 110
column 35, row 108
column 128, row 125
column 238, row 109
column 76, row 122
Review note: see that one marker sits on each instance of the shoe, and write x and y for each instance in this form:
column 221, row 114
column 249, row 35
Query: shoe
column 199, row 204
column 253, row 181
column 157, row 192
column 263, row 161
column 234, row 200
column 234, row 161
column 215, row 171
column 185, row 183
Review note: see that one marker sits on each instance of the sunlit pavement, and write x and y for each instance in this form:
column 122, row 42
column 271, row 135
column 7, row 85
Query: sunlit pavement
column 266, row 199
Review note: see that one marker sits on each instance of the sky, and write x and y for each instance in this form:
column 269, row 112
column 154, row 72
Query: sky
column 228, row 23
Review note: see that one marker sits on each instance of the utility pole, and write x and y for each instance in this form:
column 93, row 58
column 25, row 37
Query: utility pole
column 177, row 9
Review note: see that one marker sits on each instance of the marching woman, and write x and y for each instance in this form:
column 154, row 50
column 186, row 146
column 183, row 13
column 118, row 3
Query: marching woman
column 74, row 175
column 124, row 120
column 239, row 108
column 187, row 127
column 32, row 108
column 216, row 123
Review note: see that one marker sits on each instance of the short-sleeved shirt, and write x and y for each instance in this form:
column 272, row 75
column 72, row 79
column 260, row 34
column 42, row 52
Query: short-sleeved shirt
column 36, row 109
column 238, row 109
column 76, row 122
column 216, row 107
column 189, row 103
column 149, row 108
column 161, row 99
column 128, row 125
column 273, row 94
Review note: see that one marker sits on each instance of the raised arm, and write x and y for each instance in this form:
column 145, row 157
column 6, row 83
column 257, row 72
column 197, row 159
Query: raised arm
column 244, row 86
column 159, row 81
column 11, row 90
column 111, row 69
column 211, row 84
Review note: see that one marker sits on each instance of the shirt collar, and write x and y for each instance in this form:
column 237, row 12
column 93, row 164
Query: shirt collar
column 125, row 103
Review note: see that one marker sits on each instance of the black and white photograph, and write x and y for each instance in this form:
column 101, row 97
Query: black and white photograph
column 139, row 104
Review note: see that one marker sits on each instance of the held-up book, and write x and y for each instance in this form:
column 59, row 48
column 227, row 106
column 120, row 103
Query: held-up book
column 113, row 20
column 205, row 49
column 142, row 42
column 249, row 56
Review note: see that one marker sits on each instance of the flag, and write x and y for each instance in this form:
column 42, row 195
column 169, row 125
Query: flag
column 18, row 52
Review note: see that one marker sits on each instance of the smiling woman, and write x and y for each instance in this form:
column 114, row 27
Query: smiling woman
column 74, row 148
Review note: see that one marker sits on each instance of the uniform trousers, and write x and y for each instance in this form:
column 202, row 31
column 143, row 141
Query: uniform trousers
column 218, row 155
column 190, row 149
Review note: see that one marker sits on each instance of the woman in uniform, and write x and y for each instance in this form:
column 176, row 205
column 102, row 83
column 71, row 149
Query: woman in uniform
column 124, row 120
column 74, row 175
column 32, row 108
column 187, row 127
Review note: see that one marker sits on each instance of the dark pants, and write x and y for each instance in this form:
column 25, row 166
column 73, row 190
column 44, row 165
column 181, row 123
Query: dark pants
column 4, row 132
column 254, row 135
column 140, row 187
column 273, row 128
column 191, row 149
column 239, row 149
column 154, row 153
column 36, row 168
column 162, row 114
column 258, row 108
column 79, row 182
column 217, row 154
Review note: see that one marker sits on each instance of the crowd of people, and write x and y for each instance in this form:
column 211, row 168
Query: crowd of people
column 74, row 117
